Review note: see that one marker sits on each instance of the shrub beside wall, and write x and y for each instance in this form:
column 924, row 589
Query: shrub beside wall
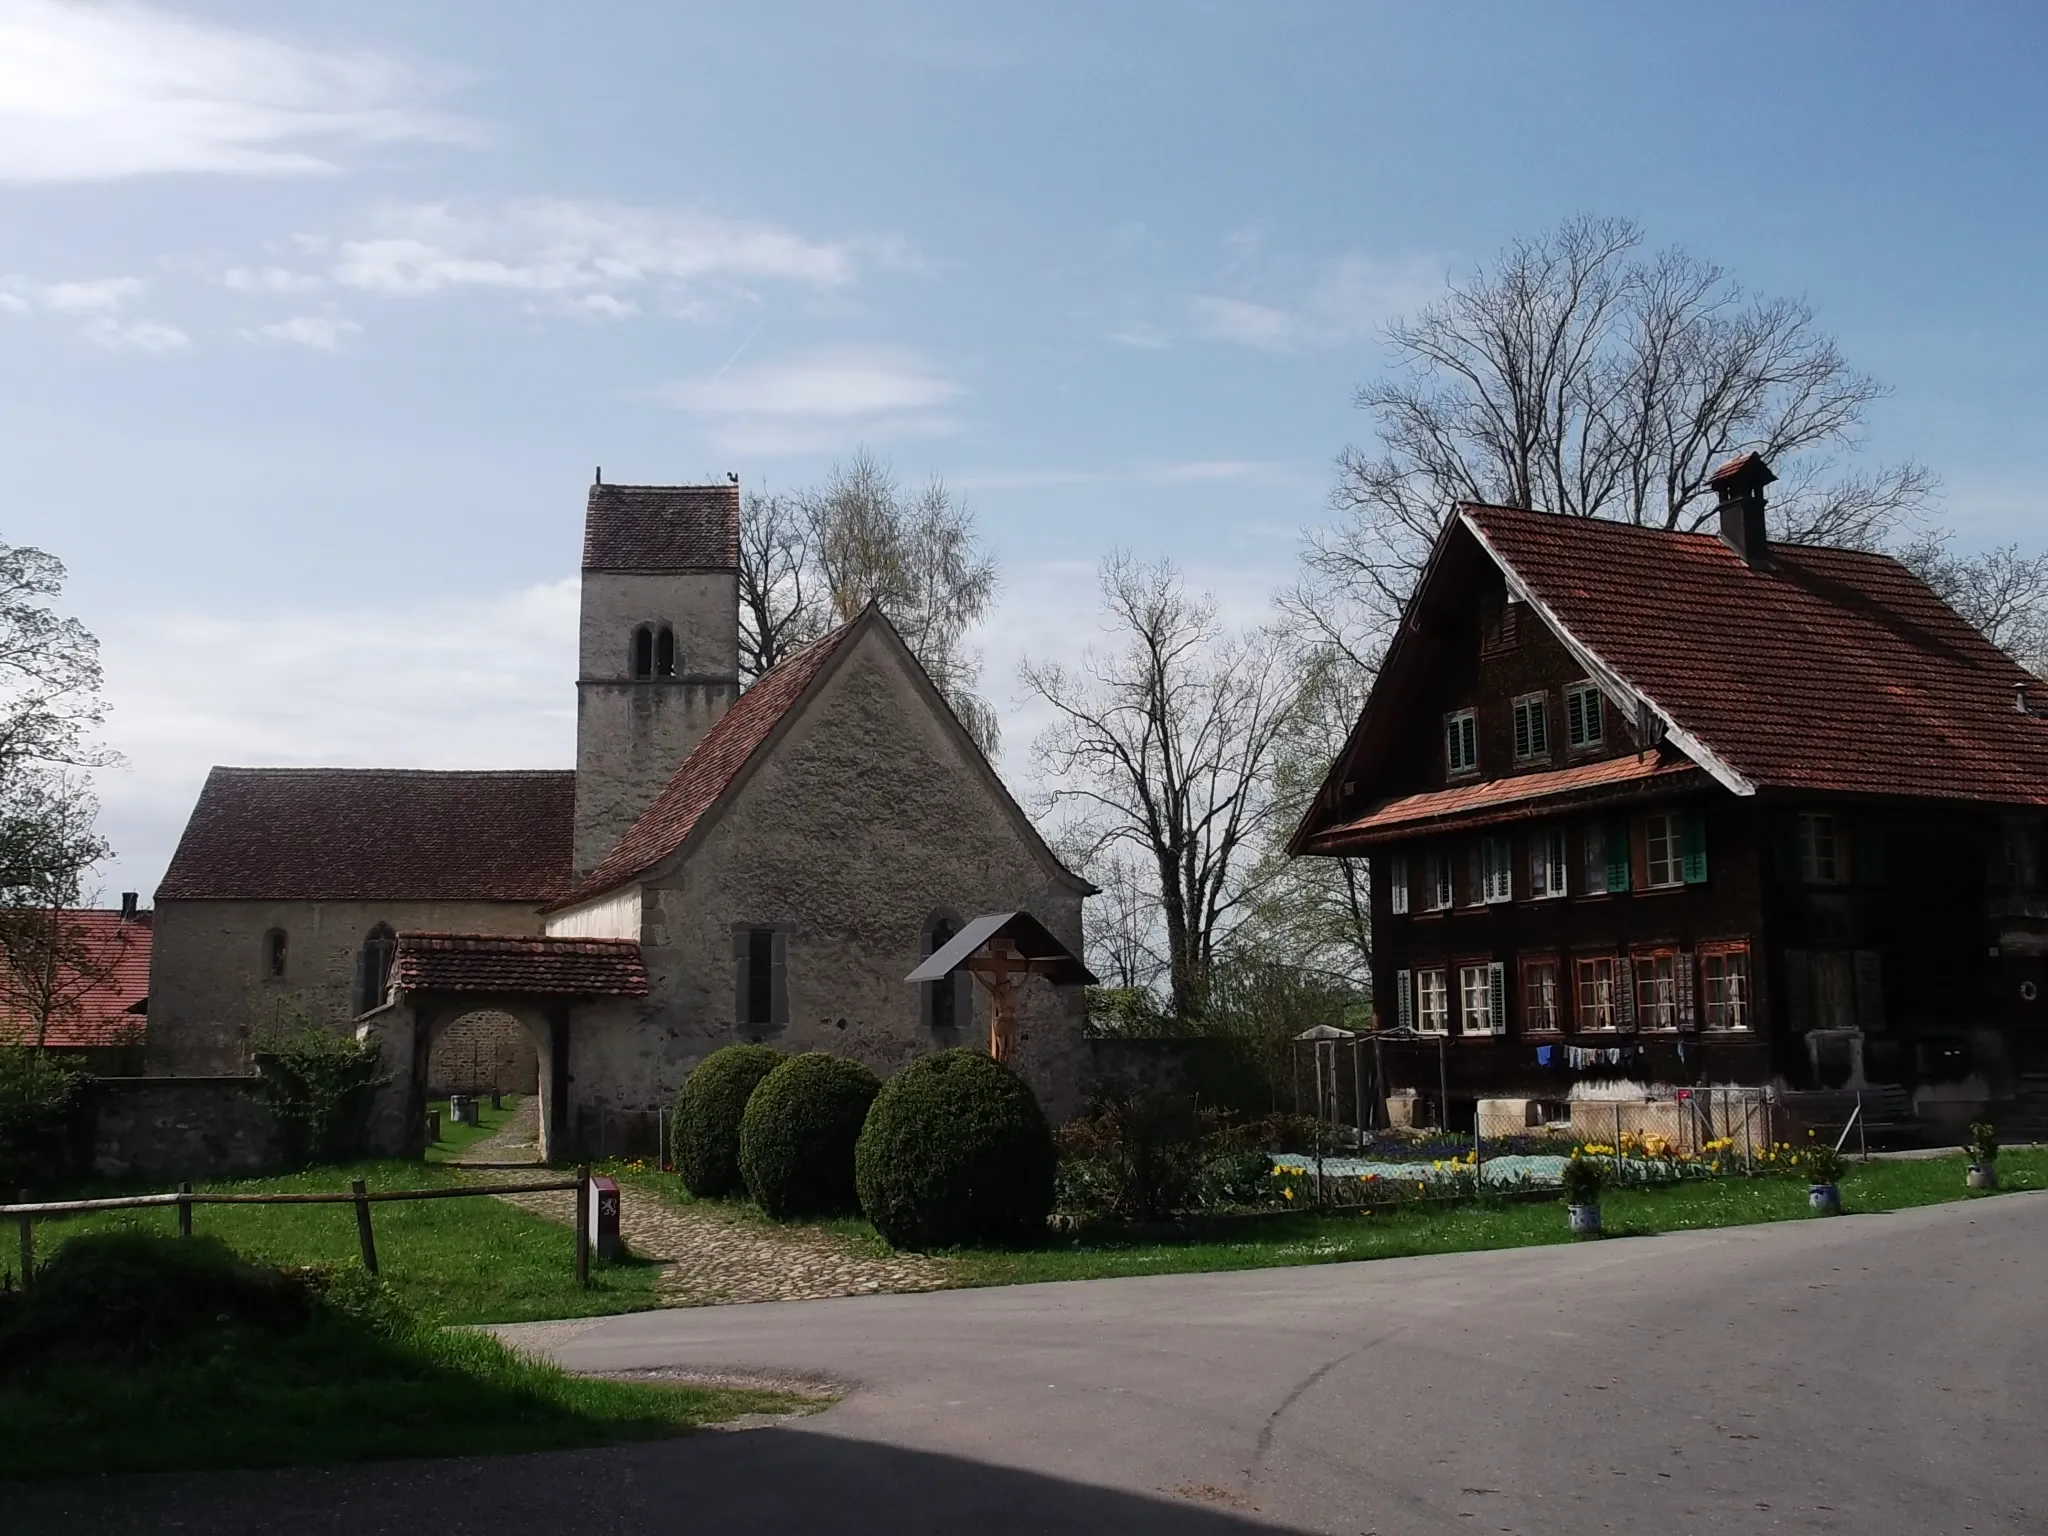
column 955, row 1151
column 798, row 1134
column 706, row 1140
column 36, row 1098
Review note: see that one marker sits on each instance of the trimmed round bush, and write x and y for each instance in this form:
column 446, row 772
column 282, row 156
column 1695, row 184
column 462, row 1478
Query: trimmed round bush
column 955, row 1151
column 797, row 1136
column 706, row 1140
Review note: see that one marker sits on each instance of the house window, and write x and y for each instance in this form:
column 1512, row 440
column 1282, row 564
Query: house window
column 1584, row 725
column 1396, row 868
column 1664, row 850
column 1496, row 870
column 1542, row 1001
column 1461, row 742
column 274, row 944
column 1594, row 980
column 1606, row 857
column 1820, row 849
column 1532, row 728
column 1497, row 624
column 1440, row 892
column 1656, row 978
column 665, row 652
column 1547, row 861
column 1482, row 1000
column 762, row 956
column 1724, row 986
column 946, row 1002
column 1432, row 1003
column 373, row 967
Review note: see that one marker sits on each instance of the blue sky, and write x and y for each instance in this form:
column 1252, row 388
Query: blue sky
column 315, row 319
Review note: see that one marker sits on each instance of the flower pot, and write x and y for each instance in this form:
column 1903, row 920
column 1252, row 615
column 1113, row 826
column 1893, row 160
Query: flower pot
column 1824, row 1198
column 1983, row 1175
column 1586, row 1220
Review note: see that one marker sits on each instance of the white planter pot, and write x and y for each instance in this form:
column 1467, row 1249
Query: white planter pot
column 1586, row 1220
column 1825, row 1198
column 1983, row 1175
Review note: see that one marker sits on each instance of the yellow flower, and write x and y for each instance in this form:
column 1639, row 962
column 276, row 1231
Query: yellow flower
column 1288, row 1193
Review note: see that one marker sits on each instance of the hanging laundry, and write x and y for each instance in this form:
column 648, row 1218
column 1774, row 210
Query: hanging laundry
column 1542, row 1055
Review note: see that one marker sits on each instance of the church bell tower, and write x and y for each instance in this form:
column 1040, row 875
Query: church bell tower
column 658, row 644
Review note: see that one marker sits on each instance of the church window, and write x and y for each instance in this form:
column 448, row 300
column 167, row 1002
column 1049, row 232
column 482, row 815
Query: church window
column 665, row 652
column 373, row 967
column 643, row 652
column 274, row 954
column 947, row 1004
column 762, row 959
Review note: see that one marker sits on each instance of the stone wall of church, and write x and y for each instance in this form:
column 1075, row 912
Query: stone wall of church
column 866, row 820
column 482, row 1053
column 209, row 982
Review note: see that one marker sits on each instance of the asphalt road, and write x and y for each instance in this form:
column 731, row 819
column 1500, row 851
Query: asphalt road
column 1874, row 1374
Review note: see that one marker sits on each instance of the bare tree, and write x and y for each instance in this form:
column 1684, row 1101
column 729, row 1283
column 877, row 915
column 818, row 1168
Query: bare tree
column 1582, row 376
column 2002, row 592
column 1164, row 745
column 824, row 554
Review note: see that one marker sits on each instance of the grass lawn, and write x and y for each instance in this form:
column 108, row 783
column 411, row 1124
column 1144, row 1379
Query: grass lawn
column 449, row 1261
column 1312, row 1239
column 458, row 1139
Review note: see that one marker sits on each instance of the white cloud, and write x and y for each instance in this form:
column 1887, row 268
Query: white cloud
column 91, row 298
column 93, row 93
column 323, row 333
column 820, row 400
column 583, row 255
column 1348, row 298
column 271, row 280
column 135, row 335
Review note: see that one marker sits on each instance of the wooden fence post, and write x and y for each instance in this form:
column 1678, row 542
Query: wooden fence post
column 582, row 1224
column 185, row 1211
column 364, row 1238
column 28, row 1245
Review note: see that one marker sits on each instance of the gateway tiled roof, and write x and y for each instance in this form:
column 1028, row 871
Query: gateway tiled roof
column 1827, row 669
column 713, row 764
column 1495, row 800
column 491, row 962
column 94, row 1002
column 376, row 834
column 662, row 528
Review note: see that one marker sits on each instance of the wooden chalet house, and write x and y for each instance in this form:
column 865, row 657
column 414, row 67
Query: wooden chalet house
column 1695, row 810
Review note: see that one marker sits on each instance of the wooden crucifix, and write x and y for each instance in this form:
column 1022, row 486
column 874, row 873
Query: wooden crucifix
column 999, row 950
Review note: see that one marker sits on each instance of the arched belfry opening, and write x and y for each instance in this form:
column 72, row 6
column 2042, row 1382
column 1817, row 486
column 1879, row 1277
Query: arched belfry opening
column 665, row 652
column 643, row 653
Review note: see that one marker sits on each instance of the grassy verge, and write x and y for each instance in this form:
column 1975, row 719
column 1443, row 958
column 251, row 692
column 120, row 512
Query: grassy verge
column 127, row 1358
column 1313, row 1239
column 449, row 1261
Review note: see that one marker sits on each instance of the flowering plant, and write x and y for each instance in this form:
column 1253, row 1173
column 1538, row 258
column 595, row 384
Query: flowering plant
column 1982, row 1144
column 1583, row 1179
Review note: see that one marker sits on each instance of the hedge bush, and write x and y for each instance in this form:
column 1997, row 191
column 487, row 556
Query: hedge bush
column 706, row 1139
column 798, row 1134
column 955, row 1151
column 37, row 1095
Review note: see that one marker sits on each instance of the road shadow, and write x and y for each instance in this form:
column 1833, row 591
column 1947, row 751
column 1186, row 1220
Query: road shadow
column 768, row 1480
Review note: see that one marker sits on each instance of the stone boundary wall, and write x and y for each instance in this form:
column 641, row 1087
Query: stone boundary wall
column 164, row 1129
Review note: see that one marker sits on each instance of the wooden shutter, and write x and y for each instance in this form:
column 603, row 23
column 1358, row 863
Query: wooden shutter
column 1692, row 842
column 778, row 979
column 1497, row 995
column 1624, row 993
column 1785, row 844
column 1404, row 999
column 1615, row 842
column 1688, row 1006
column 1869, row 989
column 1869, row 868
column 742, row 971
column 1799, row 988
column 1523, row 749
column 1475, row 868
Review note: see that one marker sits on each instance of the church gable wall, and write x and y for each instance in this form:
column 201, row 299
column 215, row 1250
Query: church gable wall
column 210, row 984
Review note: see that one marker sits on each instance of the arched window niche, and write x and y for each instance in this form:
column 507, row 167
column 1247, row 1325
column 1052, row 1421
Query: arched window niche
column 643, row 653
column 373, row 967
column 275, row 947
column 665, row 652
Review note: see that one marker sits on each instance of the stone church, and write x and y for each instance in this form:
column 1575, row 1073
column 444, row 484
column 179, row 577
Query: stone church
column 722, row 865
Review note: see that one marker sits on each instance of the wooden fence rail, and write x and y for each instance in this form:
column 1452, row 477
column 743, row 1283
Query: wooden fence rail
column 25, row 1211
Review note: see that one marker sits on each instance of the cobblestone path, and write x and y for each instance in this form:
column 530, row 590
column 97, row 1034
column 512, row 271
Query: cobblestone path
column 711, row 1255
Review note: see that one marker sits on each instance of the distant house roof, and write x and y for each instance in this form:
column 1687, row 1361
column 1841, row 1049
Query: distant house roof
column 491, row 962
column 376, row 834
column 97, row 1003
column 713, row 764
column 662, row 528
column 1824, row 669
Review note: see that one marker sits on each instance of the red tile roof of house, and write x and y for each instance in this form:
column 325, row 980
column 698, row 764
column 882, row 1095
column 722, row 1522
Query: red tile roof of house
column 1826, row 669
column 376, row 834
column 92, row 1003
column 713, row 764
column 662, row 528
column 492, row 962
column 1508, row 799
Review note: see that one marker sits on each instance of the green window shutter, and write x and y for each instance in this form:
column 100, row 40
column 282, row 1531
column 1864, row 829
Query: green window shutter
column 1615, row 843
column 1785, row 844
column 1869, row 851
column 1692, row 841
column 1404, row 999
column 1497, row 995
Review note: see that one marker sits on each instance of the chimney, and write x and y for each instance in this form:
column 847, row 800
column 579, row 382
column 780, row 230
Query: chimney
column 1740, row 485
column 128, row 900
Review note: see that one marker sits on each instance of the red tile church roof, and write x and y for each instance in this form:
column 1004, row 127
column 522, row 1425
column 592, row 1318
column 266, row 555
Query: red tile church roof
column 662, row 528
column 1826, row 669
column 93, row 1001
column 490, row 962
column 376, row 834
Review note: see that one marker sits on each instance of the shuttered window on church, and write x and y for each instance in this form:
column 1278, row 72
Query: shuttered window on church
column 762, row 960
